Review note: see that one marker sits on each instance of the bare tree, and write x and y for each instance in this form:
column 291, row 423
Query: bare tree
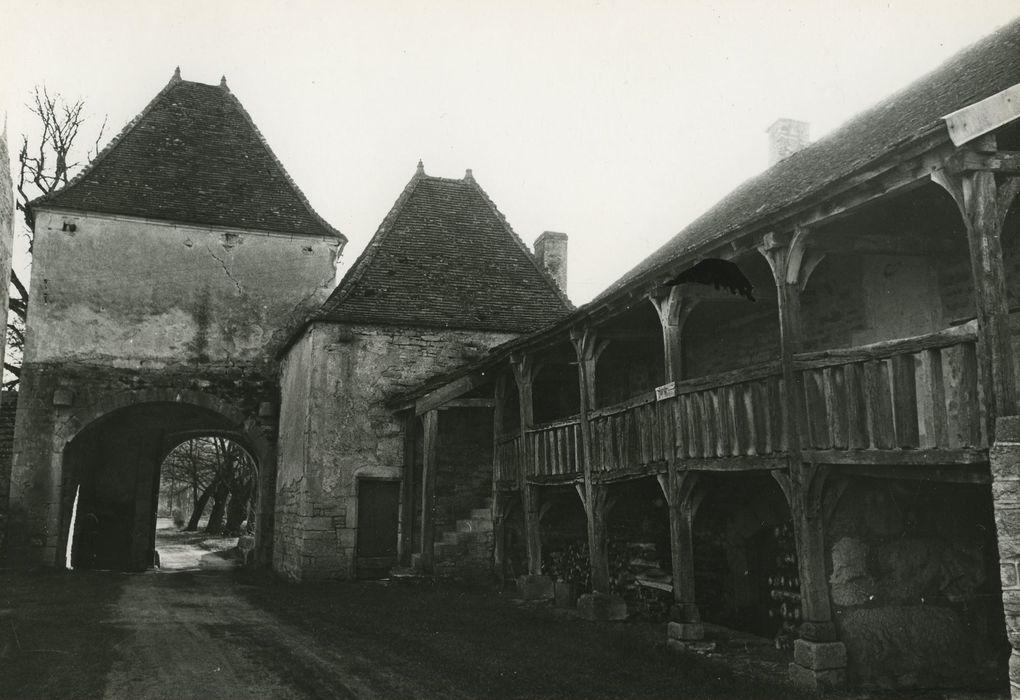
column 45, row 164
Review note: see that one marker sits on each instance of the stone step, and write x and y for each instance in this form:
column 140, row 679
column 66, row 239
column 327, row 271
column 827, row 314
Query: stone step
column 481, row 514
column 474, row 525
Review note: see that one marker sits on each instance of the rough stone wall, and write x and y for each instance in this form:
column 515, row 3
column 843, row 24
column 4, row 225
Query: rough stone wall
column 41, row 482
column 6, row 250
column 464, row 474
column 627, row 369
column 6, row 232
column 350, row 433
column 849, row 300
column 8, row 410
column 913, row 577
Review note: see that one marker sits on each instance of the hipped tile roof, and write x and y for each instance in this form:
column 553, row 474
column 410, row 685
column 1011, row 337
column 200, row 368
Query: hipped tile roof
column 986, row 68
column 445, row 257
column 193, row 156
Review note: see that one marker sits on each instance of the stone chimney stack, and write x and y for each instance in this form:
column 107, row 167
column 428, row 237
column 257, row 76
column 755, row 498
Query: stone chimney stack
column 551, row 251
column 786, row 137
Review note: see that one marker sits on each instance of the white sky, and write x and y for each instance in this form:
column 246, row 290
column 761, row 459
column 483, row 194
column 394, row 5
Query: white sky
column 615, row 122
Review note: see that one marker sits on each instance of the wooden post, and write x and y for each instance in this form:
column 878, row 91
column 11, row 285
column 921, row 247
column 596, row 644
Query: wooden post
column 673, row 310
column 588, row 348
column 785, row 254
column 524, row 370
column 407, row 498
column 428, row 488
column 977, row 196
column 498, row 508
column 685, row 619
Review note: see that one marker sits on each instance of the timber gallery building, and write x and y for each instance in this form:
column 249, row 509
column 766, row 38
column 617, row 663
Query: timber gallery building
column 796, row 418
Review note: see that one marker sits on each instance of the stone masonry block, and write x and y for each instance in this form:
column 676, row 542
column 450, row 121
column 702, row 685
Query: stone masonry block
column 1004, row 459
column 816, row 680
column 819, row 656
column 1006, row 491
column 685, row 631
column 1008, row 574
column 600, row 606
column 531, row 587
column 1007, row 523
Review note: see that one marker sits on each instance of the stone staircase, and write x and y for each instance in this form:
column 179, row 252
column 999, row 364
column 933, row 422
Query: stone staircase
column 465, row 552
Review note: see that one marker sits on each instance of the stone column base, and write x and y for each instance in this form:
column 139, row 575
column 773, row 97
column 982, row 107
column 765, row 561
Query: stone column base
column 534, row 587
column 818, row 665
column 687, row 636
column 601, row 606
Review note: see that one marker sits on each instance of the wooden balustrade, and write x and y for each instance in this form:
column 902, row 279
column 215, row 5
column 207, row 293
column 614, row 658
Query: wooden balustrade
column 555, row 448
column 905, row 395
column 910, row 394
column 508, row 458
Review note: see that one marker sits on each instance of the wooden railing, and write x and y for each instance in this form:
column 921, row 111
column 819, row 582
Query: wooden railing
column 555, row 448
column 914, row 393
column 735, row 414
column 911, row 394
column 508, row 458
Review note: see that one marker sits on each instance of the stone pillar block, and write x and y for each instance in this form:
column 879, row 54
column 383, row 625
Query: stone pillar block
column 819, row 656
column 1004, row 457
column 1014, row 675
column 601, row 606
column 534, row 587
column 685, row 631
column 684, row 612
column 817, row 680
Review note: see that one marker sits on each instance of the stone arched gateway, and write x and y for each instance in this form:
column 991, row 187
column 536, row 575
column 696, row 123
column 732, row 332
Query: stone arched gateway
column 108, row 453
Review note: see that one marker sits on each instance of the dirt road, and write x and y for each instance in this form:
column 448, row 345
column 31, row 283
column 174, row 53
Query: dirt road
column 223, row 634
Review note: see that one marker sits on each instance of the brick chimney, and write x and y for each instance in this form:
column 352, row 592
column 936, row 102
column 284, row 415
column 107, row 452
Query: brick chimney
column 786, row 137
column 551, row 251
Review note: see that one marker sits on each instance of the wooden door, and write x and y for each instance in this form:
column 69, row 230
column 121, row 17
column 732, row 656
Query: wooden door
column 378, row 513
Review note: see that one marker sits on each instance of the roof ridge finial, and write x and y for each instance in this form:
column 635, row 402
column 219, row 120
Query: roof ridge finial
column 420, row 170
column 176, row 77
column 223, row 83
column 469, row 176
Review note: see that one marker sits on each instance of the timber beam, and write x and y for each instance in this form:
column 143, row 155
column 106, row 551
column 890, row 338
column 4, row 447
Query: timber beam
column 447, row 393
column 967, row 160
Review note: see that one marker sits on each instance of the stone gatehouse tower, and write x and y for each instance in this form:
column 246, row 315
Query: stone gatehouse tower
column 166, row 278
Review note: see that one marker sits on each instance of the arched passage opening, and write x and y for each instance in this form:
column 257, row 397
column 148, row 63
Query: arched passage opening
column 208, row 500
column 112, row 473
column 745, row 561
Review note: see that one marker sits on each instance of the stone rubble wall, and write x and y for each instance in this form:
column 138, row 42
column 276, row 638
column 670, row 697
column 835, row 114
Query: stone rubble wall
column 349, row 432
column 912, row 580
column 58, row 400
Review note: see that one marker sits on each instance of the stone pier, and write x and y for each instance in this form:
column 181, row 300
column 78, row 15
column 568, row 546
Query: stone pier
column 1005, row 463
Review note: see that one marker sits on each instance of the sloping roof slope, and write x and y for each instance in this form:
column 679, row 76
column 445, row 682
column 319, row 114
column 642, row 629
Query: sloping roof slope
column 445, row 257
column 987, row 67
column 193, row 155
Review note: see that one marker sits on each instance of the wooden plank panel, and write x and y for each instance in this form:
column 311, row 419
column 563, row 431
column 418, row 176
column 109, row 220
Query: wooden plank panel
column 758, row 421
column 969, row 411
column 817, row 417
column 693, row 426
column 836, row 405
column 737, row 419
column 905, row 401
column 932, row 391
column 856, row 412
column 708, row 446
column 878, row 397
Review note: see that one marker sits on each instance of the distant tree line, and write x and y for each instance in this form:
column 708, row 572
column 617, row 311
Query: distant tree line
column 213, row 473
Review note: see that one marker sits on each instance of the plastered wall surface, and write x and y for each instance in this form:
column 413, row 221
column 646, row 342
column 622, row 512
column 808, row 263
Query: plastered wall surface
column 138, row 292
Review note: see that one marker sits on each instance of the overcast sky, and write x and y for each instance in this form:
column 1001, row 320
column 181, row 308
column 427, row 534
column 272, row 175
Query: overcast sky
column 617, row 123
